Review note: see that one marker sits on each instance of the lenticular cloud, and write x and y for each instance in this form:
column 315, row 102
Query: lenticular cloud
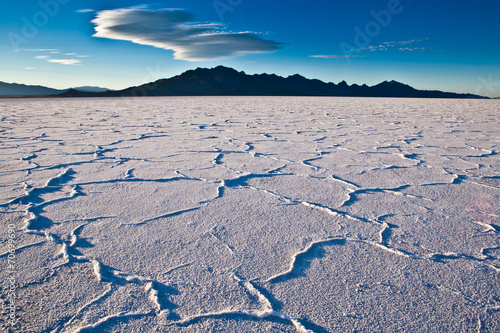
column 174, row 29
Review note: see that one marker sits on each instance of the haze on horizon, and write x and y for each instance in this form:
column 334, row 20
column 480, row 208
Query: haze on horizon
column 448, row 46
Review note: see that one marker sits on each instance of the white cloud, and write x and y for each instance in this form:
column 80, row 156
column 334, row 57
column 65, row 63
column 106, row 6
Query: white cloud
column 412, row 41
column 85, row 11
column 37, row 50
column 64, row 61
column 398, row 45
column 412, row 49
column 175, row 29
column 329, row 56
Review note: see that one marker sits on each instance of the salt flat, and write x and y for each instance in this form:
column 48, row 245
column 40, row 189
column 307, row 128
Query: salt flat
column 252, row 214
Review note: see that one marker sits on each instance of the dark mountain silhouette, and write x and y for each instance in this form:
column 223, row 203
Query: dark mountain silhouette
column 224, row 81
column 15, row 89
column 90, row 89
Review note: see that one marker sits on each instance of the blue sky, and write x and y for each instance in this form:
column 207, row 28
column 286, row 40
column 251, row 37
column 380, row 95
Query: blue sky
column 446, row 45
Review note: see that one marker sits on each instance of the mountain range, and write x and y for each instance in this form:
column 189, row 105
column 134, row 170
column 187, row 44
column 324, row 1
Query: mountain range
column 16, row 89
column 224, row 81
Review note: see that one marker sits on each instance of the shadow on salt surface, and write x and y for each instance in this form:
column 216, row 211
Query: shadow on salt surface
column 121, row 324
column 302, row 260
column 34, row 195
column 238, row 318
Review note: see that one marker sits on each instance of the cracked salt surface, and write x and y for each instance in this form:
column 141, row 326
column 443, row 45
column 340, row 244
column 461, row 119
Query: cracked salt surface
column 243, row 214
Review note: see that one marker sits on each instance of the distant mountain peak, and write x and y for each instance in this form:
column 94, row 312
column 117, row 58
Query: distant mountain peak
column 17, row 89
column 297, row 76
column 392, row 82
column 90, row 89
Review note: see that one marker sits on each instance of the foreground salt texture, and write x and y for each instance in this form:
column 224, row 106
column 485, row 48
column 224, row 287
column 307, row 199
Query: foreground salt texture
column 253, row 214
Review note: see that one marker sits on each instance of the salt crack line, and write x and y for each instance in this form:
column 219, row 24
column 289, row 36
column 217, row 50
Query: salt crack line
column 171, row 214
column 139, row 180
column 392, row 250
column 74, row 234
column 353, row 193
column 29, row 157
column 457, row 179
column 343, row 181
column 266, row 312
column 105, row 294
column 104, row 320
column 484, row 185
column 302, row 253
column 435, row 257
column 111, row 275
column 75, row 192
column 30, row 190
column 230, row 249
column 52, row 181
column 495, row 268
column 338, row 213
column 308, row 164
column 324, row 209
column 384, row 234
column 129, row 174
column 23, row 247
column 485, row 250
column 217, row 159
column 178, row 267
column 487, row 226
column 487, row 153
column 153, row 295
column 410, row 157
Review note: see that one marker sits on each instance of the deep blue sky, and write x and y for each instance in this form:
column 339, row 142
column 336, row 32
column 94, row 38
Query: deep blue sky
column 451, row 45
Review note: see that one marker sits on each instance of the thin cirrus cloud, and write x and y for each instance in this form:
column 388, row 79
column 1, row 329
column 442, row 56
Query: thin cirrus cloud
column 176, row 30
column 64, row 61
column 63, row 58
column 67, row 61
column 333, row 56
column 406, row 45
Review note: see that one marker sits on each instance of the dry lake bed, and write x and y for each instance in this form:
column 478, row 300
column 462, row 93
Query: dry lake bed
column 250, row 214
